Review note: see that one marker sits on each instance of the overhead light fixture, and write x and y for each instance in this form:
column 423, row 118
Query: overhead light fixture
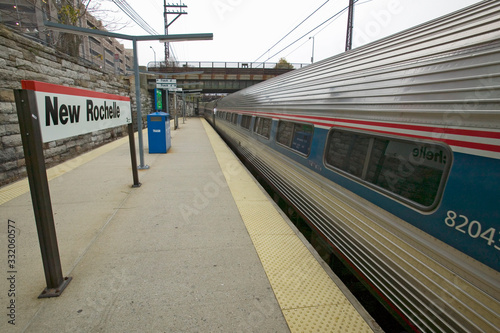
column 186, row 37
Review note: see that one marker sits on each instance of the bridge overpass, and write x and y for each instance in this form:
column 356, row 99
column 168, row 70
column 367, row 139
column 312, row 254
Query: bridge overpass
column 219, row 77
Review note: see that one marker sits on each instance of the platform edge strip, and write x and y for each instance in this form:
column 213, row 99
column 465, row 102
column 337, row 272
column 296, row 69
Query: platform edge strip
column 319, row 304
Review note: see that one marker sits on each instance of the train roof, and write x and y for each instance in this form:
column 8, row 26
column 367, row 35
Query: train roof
column 445, row 71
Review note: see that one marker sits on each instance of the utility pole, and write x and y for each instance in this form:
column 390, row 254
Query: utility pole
column 167, row 11
column 350, row 24
column 312, row 55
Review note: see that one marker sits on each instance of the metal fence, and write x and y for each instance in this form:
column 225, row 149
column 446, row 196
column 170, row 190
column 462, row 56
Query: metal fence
column 221, row 64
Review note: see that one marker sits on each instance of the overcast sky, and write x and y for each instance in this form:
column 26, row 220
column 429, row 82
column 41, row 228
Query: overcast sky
column 244, row 30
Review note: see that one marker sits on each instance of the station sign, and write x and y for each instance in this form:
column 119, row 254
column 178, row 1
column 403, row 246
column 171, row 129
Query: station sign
column 165, row 86
column 168, row 81
column 65, row 112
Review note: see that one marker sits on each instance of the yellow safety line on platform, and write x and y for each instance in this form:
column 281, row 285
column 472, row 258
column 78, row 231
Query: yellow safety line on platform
column 20, row 187
column 308, row 297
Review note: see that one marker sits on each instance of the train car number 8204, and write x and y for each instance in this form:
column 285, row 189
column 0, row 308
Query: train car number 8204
column 473, row 229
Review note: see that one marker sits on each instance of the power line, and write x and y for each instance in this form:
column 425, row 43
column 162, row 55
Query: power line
column 326, row 26
column 130, row 12
column 292, row 30
column 127, row 9
column 298, row 47
column 332, row 17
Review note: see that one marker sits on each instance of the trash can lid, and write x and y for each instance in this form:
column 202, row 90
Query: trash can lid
column 159, row 113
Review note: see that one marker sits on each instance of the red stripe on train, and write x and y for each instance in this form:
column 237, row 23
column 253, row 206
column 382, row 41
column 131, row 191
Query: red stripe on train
column 440, row 130
column 458, row 143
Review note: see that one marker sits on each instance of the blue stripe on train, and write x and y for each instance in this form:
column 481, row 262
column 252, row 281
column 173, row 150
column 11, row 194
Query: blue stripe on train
column 468, row 217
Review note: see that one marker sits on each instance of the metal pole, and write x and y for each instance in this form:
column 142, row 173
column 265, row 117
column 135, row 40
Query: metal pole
column 350, row 19
column 154, row 54
column 138, row 105
column 183, row 108
column 131, row 140
column 167, row 46
column 40, row 195
column 312, row 55
column 176, row 116
column 167, row 92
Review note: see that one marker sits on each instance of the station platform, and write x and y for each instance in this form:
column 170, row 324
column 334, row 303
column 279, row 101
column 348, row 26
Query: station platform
column 199, row 247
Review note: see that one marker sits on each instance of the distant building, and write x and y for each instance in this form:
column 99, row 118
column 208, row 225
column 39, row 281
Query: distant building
column 27, row 16
column 104, row 51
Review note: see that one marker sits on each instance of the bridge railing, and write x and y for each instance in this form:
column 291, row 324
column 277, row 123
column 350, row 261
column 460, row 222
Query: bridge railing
column 221, row 64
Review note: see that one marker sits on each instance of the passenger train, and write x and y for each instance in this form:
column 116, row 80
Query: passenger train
column 391, row 152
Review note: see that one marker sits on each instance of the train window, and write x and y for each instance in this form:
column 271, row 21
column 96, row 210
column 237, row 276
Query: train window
column 296, row 136
column 347, row 151
column 228, row 116
column 245, row 121
column 263, row 127
column 414, row 171
column 234, row 118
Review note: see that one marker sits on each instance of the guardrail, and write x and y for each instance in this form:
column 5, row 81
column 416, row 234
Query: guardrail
column 221, row 64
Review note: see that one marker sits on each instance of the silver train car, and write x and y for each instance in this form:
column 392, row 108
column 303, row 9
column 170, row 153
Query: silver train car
column 391, row 152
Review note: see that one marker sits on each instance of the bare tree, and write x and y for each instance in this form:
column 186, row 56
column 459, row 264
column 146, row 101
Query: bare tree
column 71, row 12
column 111, row 17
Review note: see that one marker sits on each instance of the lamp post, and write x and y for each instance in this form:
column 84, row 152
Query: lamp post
column 154, row 54
column 312, row 56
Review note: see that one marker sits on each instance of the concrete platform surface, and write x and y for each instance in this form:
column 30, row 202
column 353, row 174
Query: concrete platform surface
column 173, row 255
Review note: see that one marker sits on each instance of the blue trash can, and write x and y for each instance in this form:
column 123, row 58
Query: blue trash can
column 159, row 139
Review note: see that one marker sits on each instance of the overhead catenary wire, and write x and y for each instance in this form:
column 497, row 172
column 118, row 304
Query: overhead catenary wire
column 326, row 26
column 307, row 40
column 298, row 47
column 130, row 12
column 307, row 33
column 292, row 30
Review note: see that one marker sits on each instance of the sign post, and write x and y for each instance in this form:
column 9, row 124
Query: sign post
column 49, row 112
column 40, row 195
